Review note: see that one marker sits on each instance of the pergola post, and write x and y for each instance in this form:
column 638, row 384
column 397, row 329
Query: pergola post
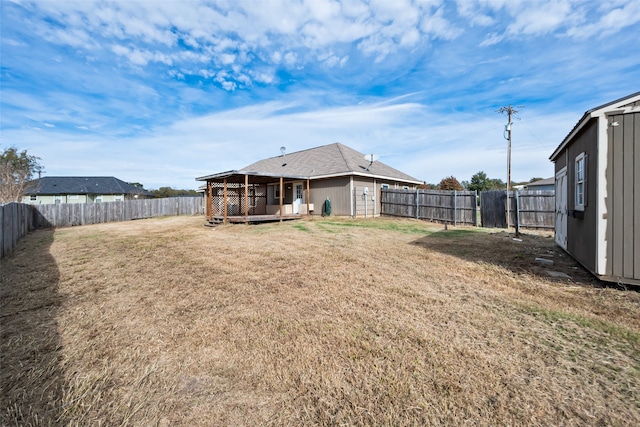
column 209, row 200
column 246, row 196
column 224, row 201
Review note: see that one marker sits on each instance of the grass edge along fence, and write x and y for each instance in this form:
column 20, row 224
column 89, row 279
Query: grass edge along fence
column 454, row 207
column 17, row 219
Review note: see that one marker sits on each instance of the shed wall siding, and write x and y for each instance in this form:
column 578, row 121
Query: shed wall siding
column 623, row 203
column 581, row 227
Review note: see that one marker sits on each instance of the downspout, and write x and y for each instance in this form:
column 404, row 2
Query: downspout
column 281, row 196
column 417, row 203
column 308, row 199
column 351, row 196
column 375, row 194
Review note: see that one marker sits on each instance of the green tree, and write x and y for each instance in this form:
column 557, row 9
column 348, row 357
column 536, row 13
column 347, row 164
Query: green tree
column 17, row 169
column 172, row 192
column 450, row 183
column 479, row 182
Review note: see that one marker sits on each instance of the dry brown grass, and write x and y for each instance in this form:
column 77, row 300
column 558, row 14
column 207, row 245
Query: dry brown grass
column 342, row 322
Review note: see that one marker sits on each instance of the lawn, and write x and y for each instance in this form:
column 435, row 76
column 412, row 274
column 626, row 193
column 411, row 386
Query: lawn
column 165, row 322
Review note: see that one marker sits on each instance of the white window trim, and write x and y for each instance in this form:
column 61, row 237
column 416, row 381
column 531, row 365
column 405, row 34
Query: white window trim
column 580, row 203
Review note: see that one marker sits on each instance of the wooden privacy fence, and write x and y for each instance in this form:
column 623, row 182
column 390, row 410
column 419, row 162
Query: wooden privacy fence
column 456, row 207
column 17, row 219
column 15, row 222
column 527, row 209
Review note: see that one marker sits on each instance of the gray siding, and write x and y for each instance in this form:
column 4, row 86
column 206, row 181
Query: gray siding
column 582, row 226
column 359, row 184
column 336, row 190
column 623, row 203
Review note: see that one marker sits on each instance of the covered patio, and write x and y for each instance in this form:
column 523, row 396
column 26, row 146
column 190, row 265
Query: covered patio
column 251, row 197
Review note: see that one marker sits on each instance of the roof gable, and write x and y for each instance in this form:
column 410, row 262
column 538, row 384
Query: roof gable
column 81, row 185
column 629, row 102
column 326, row 161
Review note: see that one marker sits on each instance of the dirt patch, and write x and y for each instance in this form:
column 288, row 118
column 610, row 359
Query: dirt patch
column 320, row 322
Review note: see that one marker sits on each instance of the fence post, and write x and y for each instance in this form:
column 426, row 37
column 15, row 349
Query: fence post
column 455, row 208
column 517, row 214
column 417, row 203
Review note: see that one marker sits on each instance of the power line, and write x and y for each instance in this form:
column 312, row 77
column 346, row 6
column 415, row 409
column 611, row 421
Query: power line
column 511, row 112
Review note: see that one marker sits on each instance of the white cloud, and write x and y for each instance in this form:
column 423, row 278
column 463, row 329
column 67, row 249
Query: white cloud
column 612, row 20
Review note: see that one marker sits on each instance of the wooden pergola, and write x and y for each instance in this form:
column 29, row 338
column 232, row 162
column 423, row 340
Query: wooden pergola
column 241, row 197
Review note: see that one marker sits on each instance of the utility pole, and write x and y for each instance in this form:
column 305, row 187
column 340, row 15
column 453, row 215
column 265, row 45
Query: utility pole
column 511, row 111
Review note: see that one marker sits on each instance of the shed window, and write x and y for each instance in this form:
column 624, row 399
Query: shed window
column 581, row 182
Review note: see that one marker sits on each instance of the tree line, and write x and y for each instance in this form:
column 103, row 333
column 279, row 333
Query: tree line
column 478, row 182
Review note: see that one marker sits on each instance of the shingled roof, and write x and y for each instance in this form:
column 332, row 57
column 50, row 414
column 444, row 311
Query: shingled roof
column 324, row 162
column 81, row 185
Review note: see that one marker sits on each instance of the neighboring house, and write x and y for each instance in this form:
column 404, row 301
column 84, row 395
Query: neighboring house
column 598, row 191
column 80, row 189
column 541, row 185
column 299, row 183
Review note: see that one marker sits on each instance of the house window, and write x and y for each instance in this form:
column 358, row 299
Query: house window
column 581, row 182
column 73, row 197
column 276, row 192
column 33, row 197
column 405, row 187
column 118, row 197
column 384, row 186
column 99, row 198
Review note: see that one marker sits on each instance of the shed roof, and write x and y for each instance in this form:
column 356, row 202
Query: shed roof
column 82, row 185
column 629, row 101
column 320, row 162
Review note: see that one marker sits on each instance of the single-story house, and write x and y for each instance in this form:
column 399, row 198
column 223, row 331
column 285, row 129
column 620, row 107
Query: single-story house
column 541, row 185
column 597, row 178
column 300, row 183
column 81, row 189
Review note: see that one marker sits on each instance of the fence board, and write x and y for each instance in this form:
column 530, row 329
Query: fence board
column 17, row 219
column 529, row 209
column 456, row 207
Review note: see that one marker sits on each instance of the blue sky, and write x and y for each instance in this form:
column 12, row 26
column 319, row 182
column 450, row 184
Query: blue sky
column 160, row 92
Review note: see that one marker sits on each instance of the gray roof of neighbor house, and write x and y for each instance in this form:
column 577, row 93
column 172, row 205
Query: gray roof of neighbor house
column 546, row 181
column 322, row 162
column 82, row 185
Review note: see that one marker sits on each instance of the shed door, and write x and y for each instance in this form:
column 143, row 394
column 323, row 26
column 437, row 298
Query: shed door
column 561, row 208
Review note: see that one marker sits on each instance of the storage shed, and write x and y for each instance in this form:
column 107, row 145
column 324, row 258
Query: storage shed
column 597, row 178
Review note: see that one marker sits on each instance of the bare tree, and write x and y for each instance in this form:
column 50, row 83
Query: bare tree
column 17, row 169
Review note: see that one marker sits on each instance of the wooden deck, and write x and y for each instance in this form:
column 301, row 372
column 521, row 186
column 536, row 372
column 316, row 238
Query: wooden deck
column 252, row 219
